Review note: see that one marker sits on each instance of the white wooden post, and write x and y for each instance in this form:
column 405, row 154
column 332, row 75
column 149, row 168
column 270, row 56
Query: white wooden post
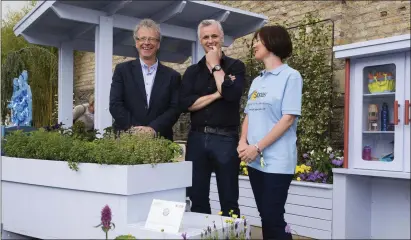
column 103, row 72
column 65, row 84
column 197, row 52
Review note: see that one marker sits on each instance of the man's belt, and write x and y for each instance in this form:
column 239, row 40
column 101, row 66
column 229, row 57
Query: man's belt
column 230, row 132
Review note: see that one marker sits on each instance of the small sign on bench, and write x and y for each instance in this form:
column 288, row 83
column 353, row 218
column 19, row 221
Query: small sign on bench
column 165, row 216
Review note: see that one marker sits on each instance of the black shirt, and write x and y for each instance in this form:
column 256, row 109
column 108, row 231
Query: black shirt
column 198, row 81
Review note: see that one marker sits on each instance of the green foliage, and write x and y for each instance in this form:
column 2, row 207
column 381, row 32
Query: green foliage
column 316, row 166
column 125, row 237
column 41, row 64
column 74, row 146
column 312, row 58
column 9, row 41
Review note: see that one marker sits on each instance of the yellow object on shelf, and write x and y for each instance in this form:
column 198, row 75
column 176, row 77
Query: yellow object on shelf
column 381, row 82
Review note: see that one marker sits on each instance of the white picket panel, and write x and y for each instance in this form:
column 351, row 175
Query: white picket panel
column 308, row 208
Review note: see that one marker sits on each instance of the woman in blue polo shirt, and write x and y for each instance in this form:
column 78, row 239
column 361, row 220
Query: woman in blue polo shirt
column 269, row 131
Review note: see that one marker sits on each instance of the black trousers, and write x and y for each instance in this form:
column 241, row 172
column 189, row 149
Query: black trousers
column 270, row 193
column 208, row 153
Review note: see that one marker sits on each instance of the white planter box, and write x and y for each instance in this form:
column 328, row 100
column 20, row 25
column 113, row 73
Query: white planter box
column 45, row 199
column 308, row 208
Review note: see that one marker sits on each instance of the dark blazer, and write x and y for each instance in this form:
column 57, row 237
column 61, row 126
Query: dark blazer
column 128, row 101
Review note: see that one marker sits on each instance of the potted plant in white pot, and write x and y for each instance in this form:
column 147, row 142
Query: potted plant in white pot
column 55, row 182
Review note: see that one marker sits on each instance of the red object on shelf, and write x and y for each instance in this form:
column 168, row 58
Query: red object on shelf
column 346, row 110
column 407, row 112
column 396, row 106
column 366, row 153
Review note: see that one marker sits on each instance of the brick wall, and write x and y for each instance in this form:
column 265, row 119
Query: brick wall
column 353, row 21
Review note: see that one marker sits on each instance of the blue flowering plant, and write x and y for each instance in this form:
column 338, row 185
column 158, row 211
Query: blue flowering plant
column 316, row 166
column 21, row 101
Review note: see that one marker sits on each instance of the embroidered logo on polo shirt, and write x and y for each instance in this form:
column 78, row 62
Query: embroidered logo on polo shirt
column 254, row 95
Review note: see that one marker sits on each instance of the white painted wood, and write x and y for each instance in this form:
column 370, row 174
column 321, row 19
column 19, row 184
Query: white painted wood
column 250, row 28
column 68, row 203
column 295, row 228
column 103, row 73
column 359, row 111
column 169, row 12
column 309, row 206
column 292, row 218
column 40, row 8
column 315, row 202
column 390, row 209
column 10, row 235
column 113, row 179
column 340, row 207
column 172, row 31
column 129, row 23
column 90, row 17
column 372, row 173
column 44, row 39
column 374, row 47
column 227, row 8
column 74, row 13
column 65, row 84
column 370, row 207
column 407, row 131
column 116, row 6
column 350, row 207
column 221, row 16
column 311, row 191
column 79, row 14
column 110, row 9
column 352, row 117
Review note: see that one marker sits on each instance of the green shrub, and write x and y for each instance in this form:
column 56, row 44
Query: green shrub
column 121, row 237
column 67, row 145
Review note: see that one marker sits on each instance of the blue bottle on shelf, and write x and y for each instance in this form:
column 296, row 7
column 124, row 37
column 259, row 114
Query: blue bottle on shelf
column 384, row 117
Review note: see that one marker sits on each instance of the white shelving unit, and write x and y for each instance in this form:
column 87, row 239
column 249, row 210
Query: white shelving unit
column 371, row 196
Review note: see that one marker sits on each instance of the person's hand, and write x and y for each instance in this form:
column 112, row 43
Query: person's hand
column 249, row 154
column 242, row 145
column 144, row 129
column 232, row 77
column 213, row 57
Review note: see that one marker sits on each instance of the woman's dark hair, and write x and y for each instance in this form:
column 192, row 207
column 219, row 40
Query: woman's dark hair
column 276, row 39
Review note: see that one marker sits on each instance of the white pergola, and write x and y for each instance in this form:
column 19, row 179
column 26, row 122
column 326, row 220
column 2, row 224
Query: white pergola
column 106, row 28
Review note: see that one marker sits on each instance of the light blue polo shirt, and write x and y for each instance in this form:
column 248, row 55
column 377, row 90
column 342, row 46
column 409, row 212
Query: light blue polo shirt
column 271, row 95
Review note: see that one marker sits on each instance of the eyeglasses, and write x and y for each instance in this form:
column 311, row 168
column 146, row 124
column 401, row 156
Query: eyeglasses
column 149, row 39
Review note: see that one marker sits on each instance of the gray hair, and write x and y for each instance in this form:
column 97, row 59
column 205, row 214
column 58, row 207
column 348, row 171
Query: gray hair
column 147, row 23
column 208, row 22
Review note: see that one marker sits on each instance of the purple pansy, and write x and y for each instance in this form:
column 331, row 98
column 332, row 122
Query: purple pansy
column 337, row 162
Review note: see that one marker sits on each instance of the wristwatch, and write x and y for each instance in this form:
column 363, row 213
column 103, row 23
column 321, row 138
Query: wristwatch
column 216, row 68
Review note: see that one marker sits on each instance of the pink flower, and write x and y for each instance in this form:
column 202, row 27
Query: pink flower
column 106, row 217
column 106, row 223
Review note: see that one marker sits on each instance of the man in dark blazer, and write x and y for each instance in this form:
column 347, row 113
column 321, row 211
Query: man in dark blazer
column 144, row 93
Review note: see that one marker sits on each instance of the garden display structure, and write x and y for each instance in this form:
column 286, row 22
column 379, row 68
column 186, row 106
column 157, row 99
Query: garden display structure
column 44, row 198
